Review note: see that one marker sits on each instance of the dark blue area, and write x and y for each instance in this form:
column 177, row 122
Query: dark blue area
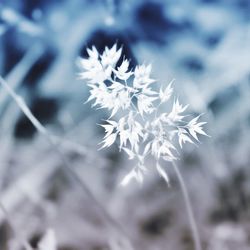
column 244, row 7
column 244, row 4
column 154, row 25
column 12, row 51
column 193, row 64
column 44, row 109
column 29, row 6
column 210, row 1
column 40, row 67
column 101, row 38
column 224, row 99
column 26, row 7
column 213, row 40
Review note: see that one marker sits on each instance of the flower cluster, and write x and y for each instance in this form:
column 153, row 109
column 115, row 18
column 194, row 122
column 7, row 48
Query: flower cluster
column 143, row 130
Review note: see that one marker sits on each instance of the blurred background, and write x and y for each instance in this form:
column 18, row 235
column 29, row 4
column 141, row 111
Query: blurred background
column 203, row 44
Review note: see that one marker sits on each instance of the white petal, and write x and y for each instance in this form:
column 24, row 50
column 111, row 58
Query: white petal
column 129, row 152
column 128, row 178
column 162, row 173
column 108, row 141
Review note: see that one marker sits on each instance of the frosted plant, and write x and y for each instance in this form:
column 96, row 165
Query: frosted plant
column 141, row 127
column 143, row 130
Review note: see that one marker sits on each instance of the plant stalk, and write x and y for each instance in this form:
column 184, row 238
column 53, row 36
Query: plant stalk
column 111, row 222
column 193, row 225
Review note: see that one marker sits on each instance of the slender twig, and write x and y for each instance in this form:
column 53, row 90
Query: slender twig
column 17, row 74
column 195, row 232
column 19, row 237
column 66, row 164
column 13, row 18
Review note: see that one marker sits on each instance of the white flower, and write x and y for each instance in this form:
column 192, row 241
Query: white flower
column 142, row 76
column 137, row 173
column 176, row 114
column 162, row 172
column 132, row 174
column 122, row 71
column 141, row 128
column 166, row 94
column 195, row 128
column 124, row 99
column 109, row 128
column 145, row 104
column 93, row 53
column 101, row 96
column 129, row 130
column 109, row 140
column 111, row 56
column 94, row 71
column 98, row 68
column 162, row 148
column 183, row 136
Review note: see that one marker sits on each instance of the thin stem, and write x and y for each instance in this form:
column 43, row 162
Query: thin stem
column 114, row 225
column 195, row 232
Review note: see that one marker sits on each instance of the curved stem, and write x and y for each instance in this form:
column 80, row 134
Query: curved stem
column 110, row 221
column 195, row 232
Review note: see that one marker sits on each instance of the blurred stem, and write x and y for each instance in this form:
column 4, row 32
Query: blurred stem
column 194, row 229
column 112, row 223
column 24, row 242
column 17, row 74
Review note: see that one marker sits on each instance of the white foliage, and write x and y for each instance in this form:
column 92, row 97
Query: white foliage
column 122, row 71
column 183, row 136
column 128, row 178
column 162, row 172
column 167, row 93
column 142, row 129
column 176, row 115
